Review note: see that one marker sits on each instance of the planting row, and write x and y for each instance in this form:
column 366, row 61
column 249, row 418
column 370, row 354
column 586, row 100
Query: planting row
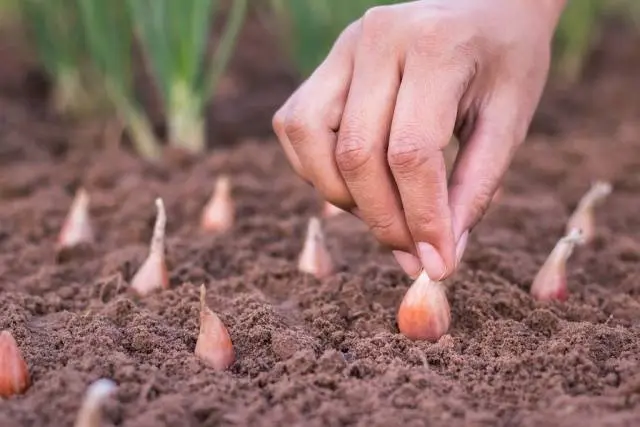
column 423, row 314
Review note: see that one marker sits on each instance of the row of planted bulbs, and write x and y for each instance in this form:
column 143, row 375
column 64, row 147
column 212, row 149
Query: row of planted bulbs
column 214, row 346
column 423, row 314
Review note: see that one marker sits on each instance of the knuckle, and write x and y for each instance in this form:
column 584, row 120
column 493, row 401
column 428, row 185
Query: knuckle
column 352, row 30
column 406, row 154
column 429, row 224
column 376, row 17
column 445, row 40
column 375, row 23
column 296, row 126
column 352, row 153
column 429, row 41
column 423, row 225
column 383, row 226
column 435, row 31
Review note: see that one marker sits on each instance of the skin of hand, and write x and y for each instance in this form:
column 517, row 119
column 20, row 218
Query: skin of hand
column 368, row 127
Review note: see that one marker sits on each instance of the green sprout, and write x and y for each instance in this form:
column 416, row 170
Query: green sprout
column 174, row 35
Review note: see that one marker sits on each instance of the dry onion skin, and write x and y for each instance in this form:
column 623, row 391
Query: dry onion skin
column 219, row 213
column 583, row 217
column 14, row 373
column 315, row 258
column 153, row 275
column 550, row 283
column 77, row 227
column 90, row 413
column 214, row 346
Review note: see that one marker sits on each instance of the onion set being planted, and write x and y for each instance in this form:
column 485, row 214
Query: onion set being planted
column 174, row 35
column 424, row 312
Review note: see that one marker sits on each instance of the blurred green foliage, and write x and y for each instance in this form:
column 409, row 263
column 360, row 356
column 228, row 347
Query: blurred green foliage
column 91, row 44
column 108, row 30
column 580, row 27
column 574, row 37
column 175, row 36
column 57, row 36
column 8, row 11
column 55, row 30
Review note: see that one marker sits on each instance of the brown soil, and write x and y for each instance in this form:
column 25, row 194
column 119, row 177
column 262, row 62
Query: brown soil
column 311, row 352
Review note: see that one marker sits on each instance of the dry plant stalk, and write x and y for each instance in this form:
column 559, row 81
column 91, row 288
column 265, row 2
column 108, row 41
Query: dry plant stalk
column 583, row 217
column 218, row 215
column 153, row 274
column 315, row 258
column 330, row 210
column 551, row 281
column 14, row 373
column 90, row 414
column 77, row 226
column 214, row 346
column 424, row 313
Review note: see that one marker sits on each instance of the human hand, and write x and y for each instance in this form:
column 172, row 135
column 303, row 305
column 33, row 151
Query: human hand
column 368, row 127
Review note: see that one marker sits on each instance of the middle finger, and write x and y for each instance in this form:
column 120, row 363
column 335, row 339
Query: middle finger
column 362, row 142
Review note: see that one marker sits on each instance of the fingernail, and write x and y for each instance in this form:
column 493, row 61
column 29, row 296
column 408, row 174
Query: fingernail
column 409, row 263
column 432, row 261
column 461, row 246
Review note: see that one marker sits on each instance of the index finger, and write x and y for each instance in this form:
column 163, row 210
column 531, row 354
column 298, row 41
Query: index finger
column 306, row 125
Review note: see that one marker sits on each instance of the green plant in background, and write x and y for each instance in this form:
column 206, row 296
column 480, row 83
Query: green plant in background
column 109, row 37
column 310, row 27
column 53, row 29
column 9, row 11
column 574, row 37
column 174, row 35
column 579, row 28
column 629, row 9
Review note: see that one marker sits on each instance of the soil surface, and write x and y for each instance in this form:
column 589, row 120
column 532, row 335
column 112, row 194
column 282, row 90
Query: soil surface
column 317, row 352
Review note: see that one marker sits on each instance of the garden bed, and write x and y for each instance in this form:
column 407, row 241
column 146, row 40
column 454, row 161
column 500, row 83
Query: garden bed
column 310, row 352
